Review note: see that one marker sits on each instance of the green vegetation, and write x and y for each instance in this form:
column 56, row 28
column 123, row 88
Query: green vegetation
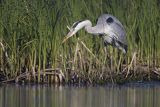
column 31, row 34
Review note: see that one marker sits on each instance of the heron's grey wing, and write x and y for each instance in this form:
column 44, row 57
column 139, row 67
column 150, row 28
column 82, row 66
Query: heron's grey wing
column 111, row 24
column 118, row 29
column 102, row 19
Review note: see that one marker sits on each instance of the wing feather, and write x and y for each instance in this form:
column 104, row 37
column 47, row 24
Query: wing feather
column 114, row 27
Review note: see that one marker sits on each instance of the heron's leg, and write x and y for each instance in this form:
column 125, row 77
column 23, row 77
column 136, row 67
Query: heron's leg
column 119, row 61
column 108, row 42
column 108, row 58
column 109, row 62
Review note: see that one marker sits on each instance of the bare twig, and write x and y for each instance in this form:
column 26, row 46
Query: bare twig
column 69, row 28
column 130, row 65
column 23, row 75
column 89, row 51
column 157, row 71
column 75, row 54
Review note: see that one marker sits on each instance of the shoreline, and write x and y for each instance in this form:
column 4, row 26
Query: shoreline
column 56, row 76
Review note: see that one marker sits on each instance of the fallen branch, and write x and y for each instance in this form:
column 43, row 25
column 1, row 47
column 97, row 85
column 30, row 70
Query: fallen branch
column 42, row 72
column 130, row 65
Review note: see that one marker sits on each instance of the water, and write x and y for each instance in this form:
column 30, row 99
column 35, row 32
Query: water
column 129, row 95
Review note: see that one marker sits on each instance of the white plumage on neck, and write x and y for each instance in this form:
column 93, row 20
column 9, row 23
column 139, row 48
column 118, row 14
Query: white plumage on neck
column 88, row 27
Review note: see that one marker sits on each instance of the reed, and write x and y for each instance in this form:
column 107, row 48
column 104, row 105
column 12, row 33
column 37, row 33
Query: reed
column 31, row 34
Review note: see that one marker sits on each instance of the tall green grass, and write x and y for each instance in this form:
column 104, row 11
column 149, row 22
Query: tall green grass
column 31, row 32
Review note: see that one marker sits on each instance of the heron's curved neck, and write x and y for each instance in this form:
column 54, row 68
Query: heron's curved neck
column 86, row 24
column 88, row 27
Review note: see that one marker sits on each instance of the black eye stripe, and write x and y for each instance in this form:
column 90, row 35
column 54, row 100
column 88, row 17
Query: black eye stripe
column 76, row 23
column 109, row 20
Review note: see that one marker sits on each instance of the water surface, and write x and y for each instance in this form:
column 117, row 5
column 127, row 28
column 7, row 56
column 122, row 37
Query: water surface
column 129, row 95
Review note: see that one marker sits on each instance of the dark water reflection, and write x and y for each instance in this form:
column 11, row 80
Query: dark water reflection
column 131, row 95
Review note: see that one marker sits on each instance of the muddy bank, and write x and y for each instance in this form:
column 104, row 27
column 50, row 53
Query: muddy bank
column 58, row 76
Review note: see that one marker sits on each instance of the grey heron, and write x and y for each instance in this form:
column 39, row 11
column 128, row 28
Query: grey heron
column 108, row 26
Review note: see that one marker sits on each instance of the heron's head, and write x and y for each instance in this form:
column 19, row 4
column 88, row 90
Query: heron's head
column 74, row 29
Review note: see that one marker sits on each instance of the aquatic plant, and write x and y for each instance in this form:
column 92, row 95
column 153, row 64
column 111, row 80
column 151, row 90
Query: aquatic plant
column 31, row 34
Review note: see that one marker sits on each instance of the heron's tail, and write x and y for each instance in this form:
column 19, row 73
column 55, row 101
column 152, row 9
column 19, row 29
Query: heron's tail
column 122, row 47
column 125, row 48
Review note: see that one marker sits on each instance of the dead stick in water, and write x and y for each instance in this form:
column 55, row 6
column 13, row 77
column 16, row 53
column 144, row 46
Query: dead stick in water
column 130, row 65
column 23, row 75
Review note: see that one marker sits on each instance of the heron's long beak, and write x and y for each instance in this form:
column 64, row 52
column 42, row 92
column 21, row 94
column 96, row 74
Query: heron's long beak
column 70, row 34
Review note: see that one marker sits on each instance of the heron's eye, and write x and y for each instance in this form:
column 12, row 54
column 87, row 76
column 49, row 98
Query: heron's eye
column 109, row 20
